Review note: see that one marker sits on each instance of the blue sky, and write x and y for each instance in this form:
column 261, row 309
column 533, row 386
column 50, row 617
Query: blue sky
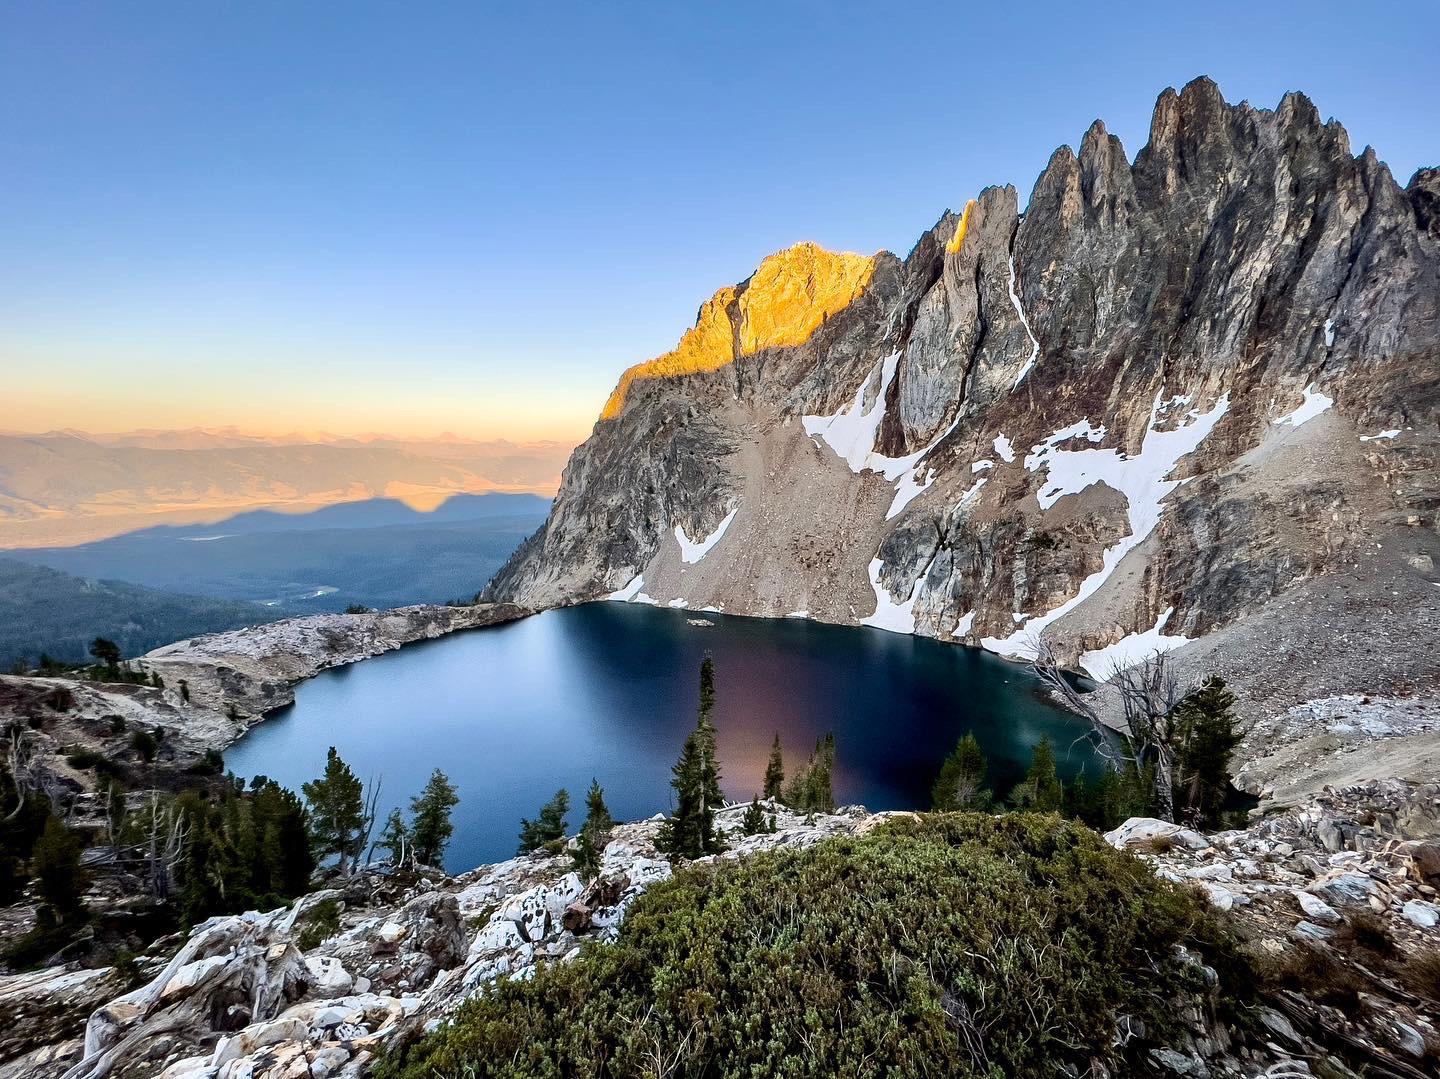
column 414, row 217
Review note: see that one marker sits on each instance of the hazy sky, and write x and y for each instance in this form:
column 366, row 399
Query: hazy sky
column 414, row 217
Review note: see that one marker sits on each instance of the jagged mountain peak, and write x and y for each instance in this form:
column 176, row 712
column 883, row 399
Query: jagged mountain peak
column 1151, row 411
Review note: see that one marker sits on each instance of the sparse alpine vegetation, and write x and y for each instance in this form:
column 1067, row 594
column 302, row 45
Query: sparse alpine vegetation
column 908, row 951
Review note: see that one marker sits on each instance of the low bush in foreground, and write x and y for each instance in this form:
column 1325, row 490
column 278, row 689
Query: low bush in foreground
column 958, row 944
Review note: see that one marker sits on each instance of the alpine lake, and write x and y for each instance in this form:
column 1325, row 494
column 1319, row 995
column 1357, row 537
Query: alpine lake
column 610, row 690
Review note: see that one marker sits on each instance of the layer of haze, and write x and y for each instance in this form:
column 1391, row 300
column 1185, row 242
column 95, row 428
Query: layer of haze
column 414, row 218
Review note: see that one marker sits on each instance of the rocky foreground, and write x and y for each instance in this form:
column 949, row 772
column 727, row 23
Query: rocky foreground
column 318, row 989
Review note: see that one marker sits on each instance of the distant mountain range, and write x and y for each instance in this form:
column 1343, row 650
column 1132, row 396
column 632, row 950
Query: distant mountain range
column 67, row 487
column 378, row 553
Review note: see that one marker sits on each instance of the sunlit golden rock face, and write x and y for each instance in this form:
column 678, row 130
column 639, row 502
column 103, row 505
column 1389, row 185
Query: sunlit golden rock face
column 959, row 237
column 784, row 302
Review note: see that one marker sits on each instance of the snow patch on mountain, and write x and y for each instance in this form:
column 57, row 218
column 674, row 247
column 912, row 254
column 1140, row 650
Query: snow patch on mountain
column 1101, row 663
column 907, row 490
column 851, row 434
column 1034, row 344
column 851, row 431
column 691, row 551
column 1313, row 404
column 632, row 593
column 1141, row 479
column 889, row 615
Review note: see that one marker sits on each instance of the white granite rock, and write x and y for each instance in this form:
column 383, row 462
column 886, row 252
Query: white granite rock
column 1425, row 915
column 1141, row 831
column 328, row 977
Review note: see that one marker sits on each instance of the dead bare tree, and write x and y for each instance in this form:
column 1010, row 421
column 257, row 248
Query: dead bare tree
column 361, row 839
column 262, row 967
column 1147, row 692
column 166, row 834
column 20, row 762
column 112, row 803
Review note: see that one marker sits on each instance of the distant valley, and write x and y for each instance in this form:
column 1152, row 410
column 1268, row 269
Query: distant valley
column 45, row 611
column 155, row 585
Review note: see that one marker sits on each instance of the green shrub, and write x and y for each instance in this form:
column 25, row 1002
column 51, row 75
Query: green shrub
column 144, row 743
column 56, row 862
column 321, row 922
column 81, row 757
column 211, row 764
column 961, row 945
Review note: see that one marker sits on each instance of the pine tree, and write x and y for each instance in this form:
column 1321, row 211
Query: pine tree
column 1041, row 790
column 690, row 833
column 337, row 812
column 962, row 778
column 707, row 689
column 1206, row 736
column 548, row 827
column 597, row 813
column 711, row 796
column 822, row 795
column 56, row 864
column 754, row 820
column 107, row 652
column 774, row 771
column 594, row 833
column 430, row 823
column 283, row 827
column 809, row 790
column 395, row 839
column 684, row 834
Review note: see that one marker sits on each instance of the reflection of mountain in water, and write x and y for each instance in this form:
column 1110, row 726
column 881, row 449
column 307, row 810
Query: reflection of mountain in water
column 379, row 553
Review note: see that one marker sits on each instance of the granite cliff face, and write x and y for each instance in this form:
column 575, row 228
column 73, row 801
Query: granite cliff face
column 1192, row 398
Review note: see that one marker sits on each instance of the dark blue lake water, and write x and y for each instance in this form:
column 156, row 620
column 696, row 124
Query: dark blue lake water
column 610, row 690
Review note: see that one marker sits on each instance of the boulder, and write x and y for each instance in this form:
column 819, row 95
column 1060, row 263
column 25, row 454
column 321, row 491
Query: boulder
column 1425, row 915
column 498, row 934
column 1425, row 862
column 257, row 1036
column 1145, row 831
column 1345, row 889
column 576, row 918
column 1316, row 909
column 392, row 933
column 327, row 977
column 1212, row 871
